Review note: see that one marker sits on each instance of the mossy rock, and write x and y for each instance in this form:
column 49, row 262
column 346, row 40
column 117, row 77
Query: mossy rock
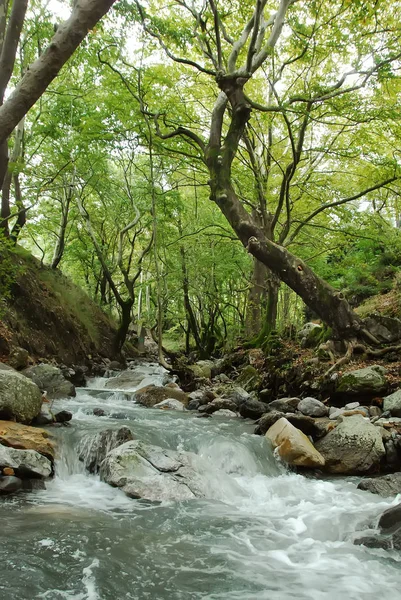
column 250, row 379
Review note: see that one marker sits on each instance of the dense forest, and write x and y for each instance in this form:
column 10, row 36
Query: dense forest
column 205, row 170
column 200, row 299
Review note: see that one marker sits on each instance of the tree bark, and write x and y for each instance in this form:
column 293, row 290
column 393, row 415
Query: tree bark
column 84, row 16
column 256, row 300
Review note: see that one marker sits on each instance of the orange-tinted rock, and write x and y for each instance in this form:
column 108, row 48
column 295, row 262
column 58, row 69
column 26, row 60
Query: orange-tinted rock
column 8, row 471
column 25, row 437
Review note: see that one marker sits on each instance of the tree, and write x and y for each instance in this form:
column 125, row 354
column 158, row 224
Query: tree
column 235, row 59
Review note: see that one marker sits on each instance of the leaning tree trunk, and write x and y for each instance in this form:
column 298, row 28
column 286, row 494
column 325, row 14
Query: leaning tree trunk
column 329, row 304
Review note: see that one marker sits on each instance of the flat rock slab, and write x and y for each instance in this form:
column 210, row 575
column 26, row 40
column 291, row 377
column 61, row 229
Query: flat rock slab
column 26, row 463
column 24, row 437
column 150, row 472
column 386, row 486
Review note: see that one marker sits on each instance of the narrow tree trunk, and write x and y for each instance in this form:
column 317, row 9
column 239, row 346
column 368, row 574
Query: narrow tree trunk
column 125, row 321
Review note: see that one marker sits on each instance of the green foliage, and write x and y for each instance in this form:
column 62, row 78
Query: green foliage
column 10, row 269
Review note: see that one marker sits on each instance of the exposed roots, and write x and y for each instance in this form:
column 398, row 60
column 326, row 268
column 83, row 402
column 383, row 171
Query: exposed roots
column 343, row 360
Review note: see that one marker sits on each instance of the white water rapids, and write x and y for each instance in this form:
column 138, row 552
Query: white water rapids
column 261, row 533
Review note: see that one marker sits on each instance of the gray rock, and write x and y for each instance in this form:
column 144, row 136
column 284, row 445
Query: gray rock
column 390, row 521
column 374, row 541
column 386, row 486
column 312, row 408
column 369, row 381
column 267, row 420
column 63, row 416
column 93, row 449
column 150, row 472
column 50, row 379
column 20, row 398
column 19, row 358
column 26, row 463
column 286, row 405
column 10, row 484
column 375, row 411
column 170, row 404
column 351, row 405
column 392, row 403
column 252, row 409
column 310, row 334
column 221, row 404
column 225, row 412
column 354, row 446
column 4, row 367
column 99, row 412
column 238, row 395
column 385, row 329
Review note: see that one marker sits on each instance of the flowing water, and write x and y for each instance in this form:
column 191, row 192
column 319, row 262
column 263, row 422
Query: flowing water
column 261, row 532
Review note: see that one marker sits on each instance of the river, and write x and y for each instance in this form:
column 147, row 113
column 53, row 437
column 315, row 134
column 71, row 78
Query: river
column 261, row 533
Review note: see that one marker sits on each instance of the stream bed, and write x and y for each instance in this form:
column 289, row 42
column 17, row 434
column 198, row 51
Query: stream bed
column 261, row 532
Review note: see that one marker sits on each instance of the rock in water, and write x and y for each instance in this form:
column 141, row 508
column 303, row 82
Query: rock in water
column 51, row 379
column 150, row 472
column 20, row 398
column 312, row 408
column 388, row 485
column 10, row 484
column 24, row 437
column 27, row 463
column 93, row 449
column 354, row 446
column 293, row 446
column 152, row 394
column 170, row 404
column 127, row 380
column 390, row 520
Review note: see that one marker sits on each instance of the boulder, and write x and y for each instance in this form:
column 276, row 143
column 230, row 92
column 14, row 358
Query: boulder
column 219, row 404
column 50, row 379
column 267, row 420
column 237, row 394
column 362, row 383
column 63, row 416
column 75, row 374
column 386, row 486
column 15, row 435
column 385, row 329
column 152, row 394
column 26, row 463
column 150, row 472
column 285, row 405
column 225, row 412
column 293, row 446
column 19, row 358
column 392, row 403
column 312, row 408
column 310, row 335
column 390, row 520
column 127, row 380
column 354, row 446
column 10, row 484
column 204, row 368
column 93, row 449
column 20, row 398
column 99, row 412
column 170, row 404
column 249, row 379
column 252, row 409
